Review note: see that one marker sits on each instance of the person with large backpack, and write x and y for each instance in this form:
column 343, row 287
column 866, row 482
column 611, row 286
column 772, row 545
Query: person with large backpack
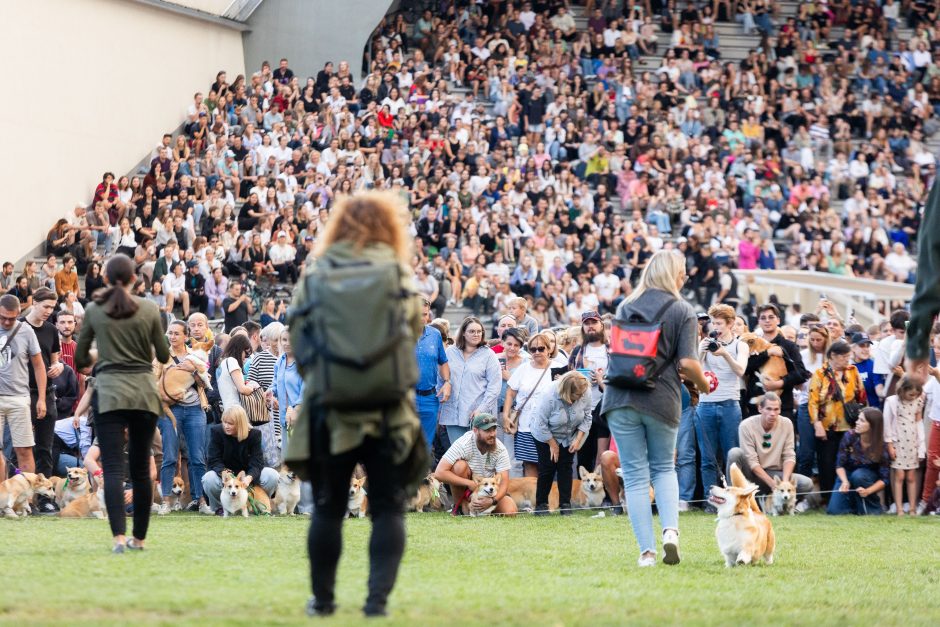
column 653, row 344
column 354, row 322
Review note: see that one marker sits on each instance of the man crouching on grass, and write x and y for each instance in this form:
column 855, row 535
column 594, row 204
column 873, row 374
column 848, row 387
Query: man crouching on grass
column 477, row 453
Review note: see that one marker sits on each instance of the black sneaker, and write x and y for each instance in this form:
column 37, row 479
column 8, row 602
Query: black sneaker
column 316, row 609
column 220, row 512
column 541, row 510
column 565, row 509
column 374, row 610
column 710, row 509
column 193, row 506
column 46, row 506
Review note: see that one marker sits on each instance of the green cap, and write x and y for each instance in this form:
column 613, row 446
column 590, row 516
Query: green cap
column 484, row 421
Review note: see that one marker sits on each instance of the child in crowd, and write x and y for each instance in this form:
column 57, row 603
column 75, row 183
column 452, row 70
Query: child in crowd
column 904, row 437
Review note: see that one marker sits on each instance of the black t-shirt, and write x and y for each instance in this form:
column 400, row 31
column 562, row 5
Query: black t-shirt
column 236, row 317
column 48, row 338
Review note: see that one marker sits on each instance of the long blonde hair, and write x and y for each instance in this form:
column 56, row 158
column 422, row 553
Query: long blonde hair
column 662, row 272
column 368, row 218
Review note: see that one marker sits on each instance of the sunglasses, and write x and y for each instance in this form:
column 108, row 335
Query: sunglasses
column 538, row 349
column 766, row 442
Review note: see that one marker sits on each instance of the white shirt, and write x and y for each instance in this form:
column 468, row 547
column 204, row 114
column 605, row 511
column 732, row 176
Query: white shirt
column 173, row 284
column 281, row 253
column 529, row 381
column 606, row 285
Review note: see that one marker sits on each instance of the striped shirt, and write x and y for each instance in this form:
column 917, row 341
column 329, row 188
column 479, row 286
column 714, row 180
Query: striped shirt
column 481, row 464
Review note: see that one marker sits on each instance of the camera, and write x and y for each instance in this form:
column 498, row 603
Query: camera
column 712, row 344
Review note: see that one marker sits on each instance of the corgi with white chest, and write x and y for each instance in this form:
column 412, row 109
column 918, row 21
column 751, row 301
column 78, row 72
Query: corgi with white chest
column 288, row 492
column 486, row 486
column 782, row 500
column 744, row 534
column 357, row 503
column 234, row 495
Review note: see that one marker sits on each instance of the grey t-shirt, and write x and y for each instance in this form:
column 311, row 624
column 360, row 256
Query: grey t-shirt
column 14, row 359
column 677, row 339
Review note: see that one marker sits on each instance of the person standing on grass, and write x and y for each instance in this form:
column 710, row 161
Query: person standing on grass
column 128, row 333
column 530, row 380
column 904, row 438
column 432, row 363
column 328, row 440
column 44, row 303
column 645, row 423
column 18, row 348
column 560, row 425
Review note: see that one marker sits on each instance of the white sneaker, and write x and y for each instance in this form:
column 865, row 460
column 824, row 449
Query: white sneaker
column 646, row 561
column 921, row 508
column 907, row 508
column 671, row 547
column 893, row 509
column 801, row 507
column 205, row 509
column 163, row 510
column 684, row 506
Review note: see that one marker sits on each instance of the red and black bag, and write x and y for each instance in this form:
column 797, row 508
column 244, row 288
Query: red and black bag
column 635, row 360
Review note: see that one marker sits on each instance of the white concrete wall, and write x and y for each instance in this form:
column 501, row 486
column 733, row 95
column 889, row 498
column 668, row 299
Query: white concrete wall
column 98, row 83
column 311, row 32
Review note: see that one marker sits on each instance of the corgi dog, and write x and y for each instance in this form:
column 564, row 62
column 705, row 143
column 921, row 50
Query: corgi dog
column 73, row 486
column 235, row 493
column 261, row 502
column 288, row 492
column 774, row 369
column 744, row 534
column 522, row 492
column 18, row 491
column 589, row 491
column 357, row 504
column 89, row 505
column 782, row 500
column 429, row 496
column 486, row 486
column 176, row 493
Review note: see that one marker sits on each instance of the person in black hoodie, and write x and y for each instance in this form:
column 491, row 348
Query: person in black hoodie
column 768, row 317
column 235, row 446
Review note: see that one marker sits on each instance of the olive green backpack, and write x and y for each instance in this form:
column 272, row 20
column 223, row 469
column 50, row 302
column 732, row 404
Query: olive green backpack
column 353, row 341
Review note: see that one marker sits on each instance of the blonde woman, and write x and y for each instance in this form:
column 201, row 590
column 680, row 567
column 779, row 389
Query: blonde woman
column 561, row 423
column 645, row 423
column 235, row 446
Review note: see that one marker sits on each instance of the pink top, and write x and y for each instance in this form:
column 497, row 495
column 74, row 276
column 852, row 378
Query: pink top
column 747, row 255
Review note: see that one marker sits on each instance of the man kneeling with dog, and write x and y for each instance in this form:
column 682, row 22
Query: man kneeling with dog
column 767, row 457
column 475, row 455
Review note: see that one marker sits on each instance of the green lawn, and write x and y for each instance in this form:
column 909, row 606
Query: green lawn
column 528, row 571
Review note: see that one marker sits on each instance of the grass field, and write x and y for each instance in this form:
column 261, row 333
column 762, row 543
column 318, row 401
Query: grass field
column 528, row 571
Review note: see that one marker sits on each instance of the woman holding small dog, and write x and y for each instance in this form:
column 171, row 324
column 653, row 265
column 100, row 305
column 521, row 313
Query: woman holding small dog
column 190, row 423
column 128, row 333
column 645, row 422
column 523, row 389
column 560, row 424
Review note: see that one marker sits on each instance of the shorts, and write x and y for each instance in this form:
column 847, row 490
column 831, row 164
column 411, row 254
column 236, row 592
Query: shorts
column 14, row 410
column 535, row 128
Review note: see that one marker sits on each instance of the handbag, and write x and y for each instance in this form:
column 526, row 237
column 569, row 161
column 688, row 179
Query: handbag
column 514, row 414
column 850, row 410
column 256, row 407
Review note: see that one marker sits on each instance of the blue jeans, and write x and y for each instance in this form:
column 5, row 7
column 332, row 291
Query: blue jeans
column 647, row 446
column 716, row 426
column 191, row 422
column 685, row 454
column 427, row 411
column 806, row 453
column 850, row 502
column 454, row 432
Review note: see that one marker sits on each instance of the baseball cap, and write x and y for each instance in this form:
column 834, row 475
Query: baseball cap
column 229, row 153
column 861, row 338
column 281, row 234
column 590, row 315
column 192, row 263
column 484, row 421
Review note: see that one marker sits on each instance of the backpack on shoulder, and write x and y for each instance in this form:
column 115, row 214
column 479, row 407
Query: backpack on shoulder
column 353, row 335
column 635, row 360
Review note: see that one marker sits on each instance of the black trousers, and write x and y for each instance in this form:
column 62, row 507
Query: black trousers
column 44, row 431
column 547, row 470
column 140, row 426
column 826, row 453
column 330, row 475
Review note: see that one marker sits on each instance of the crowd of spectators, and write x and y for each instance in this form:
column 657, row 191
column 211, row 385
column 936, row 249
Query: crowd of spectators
column 542, row 155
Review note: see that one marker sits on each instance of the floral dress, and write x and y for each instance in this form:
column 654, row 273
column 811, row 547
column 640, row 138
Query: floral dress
column 905, row 431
